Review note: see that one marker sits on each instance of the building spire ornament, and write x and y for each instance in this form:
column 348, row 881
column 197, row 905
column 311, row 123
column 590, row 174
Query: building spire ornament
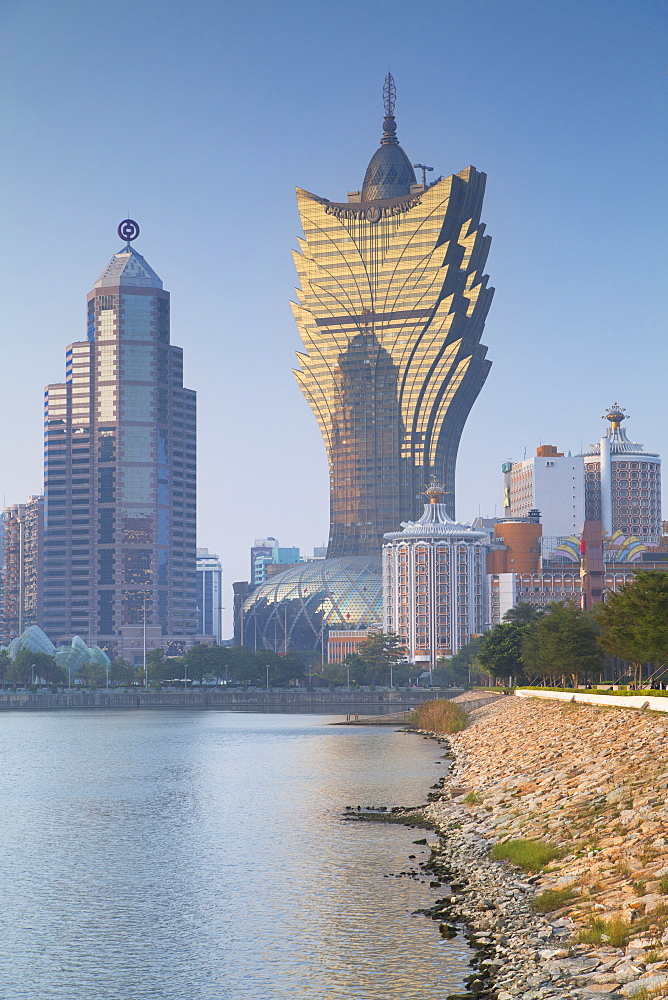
column 389, row 94
column 389, row 124
column 615, row 415
column 435, row 491
column 128, row 230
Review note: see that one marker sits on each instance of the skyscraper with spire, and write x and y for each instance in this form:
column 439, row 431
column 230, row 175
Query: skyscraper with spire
column 120, row 502
column 391, row 311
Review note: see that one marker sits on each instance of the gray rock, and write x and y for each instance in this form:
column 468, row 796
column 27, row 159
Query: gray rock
column 649, row 983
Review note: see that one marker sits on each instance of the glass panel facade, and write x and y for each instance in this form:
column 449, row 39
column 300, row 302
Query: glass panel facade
column 391, row 310
column 118, row 469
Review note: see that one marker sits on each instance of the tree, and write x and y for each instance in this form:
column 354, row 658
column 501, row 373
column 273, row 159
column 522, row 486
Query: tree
column 94, row 674
column 355, row 668
column 563, row 642
column 120, row 672
column 29, row 665
column 381, row 651
column 5, row 664
column 202, row 661
column 523, row 612
column 458, row 668
column 633, row 621
column 500, row 652
column 157, row 665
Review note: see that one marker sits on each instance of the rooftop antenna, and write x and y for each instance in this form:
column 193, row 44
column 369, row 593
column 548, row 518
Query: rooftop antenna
column 389, row 95
column 424, row 168
column 389, row 124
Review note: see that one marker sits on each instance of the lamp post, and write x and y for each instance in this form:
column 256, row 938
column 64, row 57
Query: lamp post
column 144, row 646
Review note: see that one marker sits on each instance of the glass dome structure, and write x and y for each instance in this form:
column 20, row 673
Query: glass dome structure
column 34, row 639
column 296, row 609
column 74, row 656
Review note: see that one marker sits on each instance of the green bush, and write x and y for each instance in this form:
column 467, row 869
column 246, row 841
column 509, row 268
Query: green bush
column 439, row 716
column 553, row 899
column 531, row 855
column 615, row 932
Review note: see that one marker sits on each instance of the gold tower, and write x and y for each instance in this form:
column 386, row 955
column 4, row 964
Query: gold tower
column 391, row 310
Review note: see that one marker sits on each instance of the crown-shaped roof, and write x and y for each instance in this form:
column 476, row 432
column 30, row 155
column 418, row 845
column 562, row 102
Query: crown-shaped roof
column 436, row 523
column 127, row 267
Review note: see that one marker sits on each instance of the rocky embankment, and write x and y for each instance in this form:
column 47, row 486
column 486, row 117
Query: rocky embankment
column 591, row 781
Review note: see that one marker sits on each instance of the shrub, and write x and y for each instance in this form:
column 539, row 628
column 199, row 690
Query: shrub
column 439, row 716
column 531, row 855
column 615, row 932
column 553, row 899
column 473, row 799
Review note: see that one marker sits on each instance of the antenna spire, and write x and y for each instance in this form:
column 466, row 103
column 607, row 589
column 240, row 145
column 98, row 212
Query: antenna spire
column 389, row 94
column 389, row 125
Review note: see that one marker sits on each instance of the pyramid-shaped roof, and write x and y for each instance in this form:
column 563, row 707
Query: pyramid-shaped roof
column 127, row 267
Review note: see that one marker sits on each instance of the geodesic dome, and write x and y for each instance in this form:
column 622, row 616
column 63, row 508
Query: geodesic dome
column 342, row 593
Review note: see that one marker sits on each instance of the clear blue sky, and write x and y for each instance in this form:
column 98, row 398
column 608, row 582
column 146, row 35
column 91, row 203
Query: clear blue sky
column 199, row 119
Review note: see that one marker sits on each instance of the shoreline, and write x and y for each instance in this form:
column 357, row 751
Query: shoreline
column 295, row 701
column 591, row 781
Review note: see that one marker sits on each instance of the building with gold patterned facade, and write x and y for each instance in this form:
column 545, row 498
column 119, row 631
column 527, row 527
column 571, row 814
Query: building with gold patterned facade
column 391, row 310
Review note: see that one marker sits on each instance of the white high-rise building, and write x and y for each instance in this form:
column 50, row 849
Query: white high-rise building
column 551, row 483
column 615, row 481
column 434, row 583
column 622, row 483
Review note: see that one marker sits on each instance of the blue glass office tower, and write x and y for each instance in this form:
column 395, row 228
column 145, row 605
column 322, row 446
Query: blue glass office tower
column 120, row 473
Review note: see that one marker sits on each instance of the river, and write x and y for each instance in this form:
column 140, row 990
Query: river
column 189, row 855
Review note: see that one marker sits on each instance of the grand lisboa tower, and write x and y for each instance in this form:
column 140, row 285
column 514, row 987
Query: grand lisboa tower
column 391, row 310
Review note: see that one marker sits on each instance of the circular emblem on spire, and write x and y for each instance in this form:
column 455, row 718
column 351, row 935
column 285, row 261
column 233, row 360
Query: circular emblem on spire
column 128, row 230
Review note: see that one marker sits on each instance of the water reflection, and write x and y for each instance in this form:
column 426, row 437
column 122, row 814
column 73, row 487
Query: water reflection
column 202, row 855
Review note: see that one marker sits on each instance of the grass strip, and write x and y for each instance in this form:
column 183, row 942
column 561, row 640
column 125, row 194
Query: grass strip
column 530, row 855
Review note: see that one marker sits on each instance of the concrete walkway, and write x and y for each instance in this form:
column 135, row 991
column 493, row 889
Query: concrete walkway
column 596, row 698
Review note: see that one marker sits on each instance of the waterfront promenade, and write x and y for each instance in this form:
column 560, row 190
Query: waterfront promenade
column 319, row 700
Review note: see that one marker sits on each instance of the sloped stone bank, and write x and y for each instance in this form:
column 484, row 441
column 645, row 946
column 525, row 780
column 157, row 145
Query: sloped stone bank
column 593, row 782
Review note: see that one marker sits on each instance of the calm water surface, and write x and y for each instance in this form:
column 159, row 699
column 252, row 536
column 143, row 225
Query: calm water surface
column 201, row 856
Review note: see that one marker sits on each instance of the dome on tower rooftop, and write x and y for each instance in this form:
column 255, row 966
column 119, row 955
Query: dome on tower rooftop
column 390, row 172
column 127, row 267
